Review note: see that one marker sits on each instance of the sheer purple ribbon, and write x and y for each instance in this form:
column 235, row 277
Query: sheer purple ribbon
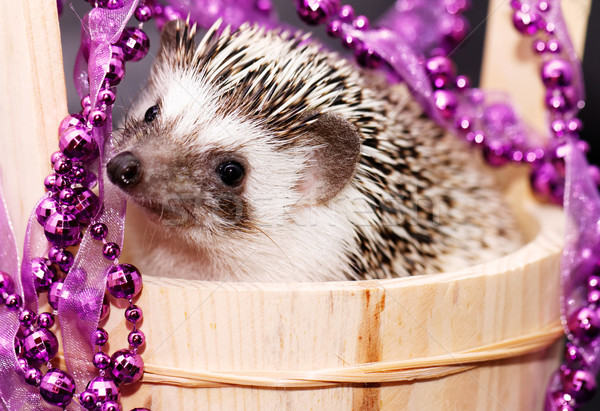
column 84, row 287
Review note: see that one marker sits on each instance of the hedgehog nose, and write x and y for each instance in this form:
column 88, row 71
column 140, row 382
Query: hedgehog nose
column 124, row 170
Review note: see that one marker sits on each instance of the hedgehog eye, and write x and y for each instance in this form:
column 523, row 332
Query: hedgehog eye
column 151, row 114
column 231, row 173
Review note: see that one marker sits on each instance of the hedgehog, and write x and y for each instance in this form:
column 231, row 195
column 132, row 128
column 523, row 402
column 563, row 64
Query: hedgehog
column 257, row 155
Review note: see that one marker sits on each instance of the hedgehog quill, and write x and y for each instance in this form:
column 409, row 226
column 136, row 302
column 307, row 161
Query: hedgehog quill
column 258, row 156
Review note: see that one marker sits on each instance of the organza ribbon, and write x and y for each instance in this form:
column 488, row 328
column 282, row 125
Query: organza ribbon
column 84, row 287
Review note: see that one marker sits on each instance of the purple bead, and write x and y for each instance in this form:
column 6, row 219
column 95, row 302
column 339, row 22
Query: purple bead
column 106, row 96
column 105, row 308
column 580, row 384
column 33, row 376
column 46, row 320
column 133, row 314
column 98, row 231
column 66, row 196
column 557, row 73
column 62, row 229
column 334, row 28
column 88, row 400
column 13, row 302
column 445, row 102
column 65, row 260
column 57, row 155
column 367, row 57
column 361, row 23
column 346, row 13
column 573, row 354
column 543, row 6
column 111, row 251
column 124, row 281
column 559, row 401
column 349, row 42
column 40, row 346
column 45, row 209
column 136, row 338
column 62, row 166
column 86, row 205
column 463, row 83
column 116, row 71
column 100, row 336
column 97, row 118
column 547, row 182
column 457, row 6
column 584, row 323
column 104, row 388
column 126, row 366
column 314, row 12
column 575, row 126
column 77, row 143
column 22, row 365
column 57, row 387
column 539, row 46
column 78, row 175
column 113, row 4
column 525, row 22
column 27, row 317
column 135, row 43
column 111, row 406
column 55, row 293
column 43, row 272
column 72, row 120
column 497, row 152
column 560, row 100
column 6, row 283
column 117, row 53
column 61, row 182
column 454, row 28
column 90, row 180
column 86, row 101
column 85, row 113
column 49, row 182
column 143, row 13
column 101, row 360
column 553, row 46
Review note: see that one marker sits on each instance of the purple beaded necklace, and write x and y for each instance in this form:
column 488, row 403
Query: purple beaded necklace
column 409, row 54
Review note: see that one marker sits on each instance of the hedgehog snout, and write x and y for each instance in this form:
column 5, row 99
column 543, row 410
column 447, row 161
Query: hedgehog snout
column 124, row 170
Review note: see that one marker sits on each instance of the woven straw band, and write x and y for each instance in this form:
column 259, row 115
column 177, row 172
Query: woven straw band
column 376, row 372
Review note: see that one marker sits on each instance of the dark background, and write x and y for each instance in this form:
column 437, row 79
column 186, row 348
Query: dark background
column 467, row 58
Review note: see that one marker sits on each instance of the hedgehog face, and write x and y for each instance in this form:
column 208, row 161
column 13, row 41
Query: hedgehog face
column 217, row 145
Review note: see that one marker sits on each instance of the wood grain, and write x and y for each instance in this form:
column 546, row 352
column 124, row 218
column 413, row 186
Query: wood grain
column 32, row 102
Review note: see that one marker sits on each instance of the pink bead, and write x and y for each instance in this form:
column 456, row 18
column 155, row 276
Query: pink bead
column 557, row 73
column 334, row 28
column 497, row 153
column 72, row 120
column 124, row 281
column 575, row 126
column 525, row 22
column 136, row 338
column 62, row 229
column 57, row 387
column 346, row 13
column 143, row 13
column 361, row 23
column 105, row 389
column 46, row 320
column 101, row 360
column 539, row 46
column 457, row 6
column 133, row 314
column 135, row 43
column 580, row 384
column 553, row 46
column 86, row 102
column 543, row 6
column 314, row 12
column 126, row 366
column 77, row 143
column 106, row 96
column 462, row 83
column 100, row 336
column 445, row 102
column 584, row 323
column 454, row 28
column 116, row 71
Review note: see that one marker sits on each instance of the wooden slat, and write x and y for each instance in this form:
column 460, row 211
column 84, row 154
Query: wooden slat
column 32, row 101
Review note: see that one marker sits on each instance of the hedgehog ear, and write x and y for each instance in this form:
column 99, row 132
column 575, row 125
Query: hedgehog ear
column 333, row 160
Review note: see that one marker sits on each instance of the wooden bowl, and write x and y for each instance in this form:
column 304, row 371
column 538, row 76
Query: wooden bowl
column 286, row 335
